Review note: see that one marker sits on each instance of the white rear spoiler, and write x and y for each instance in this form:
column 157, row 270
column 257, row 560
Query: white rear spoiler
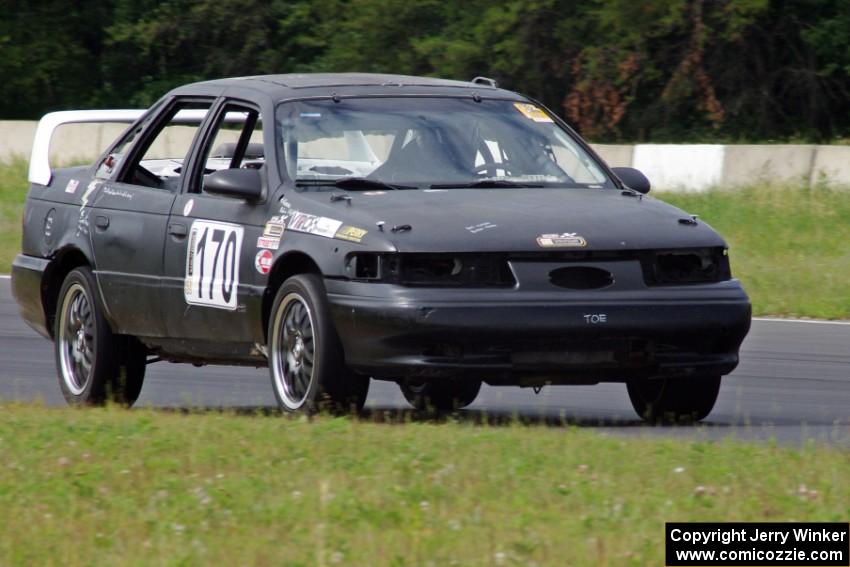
column 40, row 173
column 40, row 159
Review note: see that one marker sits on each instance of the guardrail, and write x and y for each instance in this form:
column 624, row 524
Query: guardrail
column 671, row 167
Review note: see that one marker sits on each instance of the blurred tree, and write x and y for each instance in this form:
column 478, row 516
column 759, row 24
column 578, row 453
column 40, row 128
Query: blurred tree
column 49, row 54
column 789, row 73
column 154, row 46
column 653, row 76
column 659, row 70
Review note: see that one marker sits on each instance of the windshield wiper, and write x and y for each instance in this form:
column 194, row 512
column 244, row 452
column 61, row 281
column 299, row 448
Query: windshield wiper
column 485, row 184
column 354, row 183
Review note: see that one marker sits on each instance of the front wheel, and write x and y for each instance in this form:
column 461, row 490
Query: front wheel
column 94, row 365
column 306, row 360
column 441, row 395
column 682, row 400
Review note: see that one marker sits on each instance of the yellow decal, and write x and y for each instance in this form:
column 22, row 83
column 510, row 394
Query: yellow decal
column 351, row 233
column 532, row 112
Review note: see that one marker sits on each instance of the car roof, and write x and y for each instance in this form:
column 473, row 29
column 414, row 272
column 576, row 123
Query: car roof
column 295, row 84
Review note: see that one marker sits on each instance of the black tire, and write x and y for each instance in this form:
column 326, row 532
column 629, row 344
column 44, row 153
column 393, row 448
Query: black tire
column 682, row 400
column 306, row 359
column 440, row 394
column 94, row 365
column 129, row 376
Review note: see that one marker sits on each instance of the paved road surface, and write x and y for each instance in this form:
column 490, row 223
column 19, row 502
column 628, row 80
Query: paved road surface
column 793, row 385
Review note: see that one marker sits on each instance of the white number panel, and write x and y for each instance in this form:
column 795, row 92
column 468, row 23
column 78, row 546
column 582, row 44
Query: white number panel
column 212, row 264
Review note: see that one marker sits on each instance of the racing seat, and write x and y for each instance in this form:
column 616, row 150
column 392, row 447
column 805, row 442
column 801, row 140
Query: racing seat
column 424, row 158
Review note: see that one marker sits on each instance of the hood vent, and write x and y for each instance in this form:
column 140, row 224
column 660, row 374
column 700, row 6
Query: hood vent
column 581, row 277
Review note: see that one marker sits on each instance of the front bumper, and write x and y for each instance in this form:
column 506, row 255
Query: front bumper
column 514, row 336
column 27, row 275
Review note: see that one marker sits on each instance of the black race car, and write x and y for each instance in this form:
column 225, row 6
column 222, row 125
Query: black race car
column 343, row 227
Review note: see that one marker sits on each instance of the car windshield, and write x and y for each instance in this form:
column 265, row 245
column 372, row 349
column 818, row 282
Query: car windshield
column 421, row 142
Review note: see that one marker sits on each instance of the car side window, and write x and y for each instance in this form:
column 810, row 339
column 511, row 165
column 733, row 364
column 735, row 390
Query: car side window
column 236, row 142
column 159, row 160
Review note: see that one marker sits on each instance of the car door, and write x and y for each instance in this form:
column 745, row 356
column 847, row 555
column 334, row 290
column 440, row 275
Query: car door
column 212, row 290
column 134, row 190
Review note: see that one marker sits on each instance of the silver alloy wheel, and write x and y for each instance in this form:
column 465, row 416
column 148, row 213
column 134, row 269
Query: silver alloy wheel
column 292, row 350
column 77, row 339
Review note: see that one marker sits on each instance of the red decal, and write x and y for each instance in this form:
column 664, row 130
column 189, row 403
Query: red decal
column 263, row 262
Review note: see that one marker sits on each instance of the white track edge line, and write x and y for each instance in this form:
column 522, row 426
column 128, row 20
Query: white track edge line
column 4, row 277
column 808, row 321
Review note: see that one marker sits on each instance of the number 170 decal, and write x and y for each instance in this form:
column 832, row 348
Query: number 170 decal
column 212, row 264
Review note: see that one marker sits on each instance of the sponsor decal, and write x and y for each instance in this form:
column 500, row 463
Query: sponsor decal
column 311, row 224
column 532, row 112
column 190, row 265
column 263, row 262
column 285, row 206
column 529, row 177
column 187, row 208
column 562, row 240
column 91, row 188
column 83, row 220
column 72, row 186
column 274, row 227
column 118, row 193
column 351, row 233
column 482, row 226
column 268, row 242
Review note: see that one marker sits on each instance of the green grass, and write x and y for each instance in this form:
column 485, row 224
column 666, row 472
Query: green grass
column 13, row 190
column 112, row 487
column 790, row 246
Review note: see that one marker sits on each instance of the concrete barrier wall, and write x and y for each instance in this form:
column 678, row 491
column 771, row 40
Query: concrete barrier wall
column 697, row 167
column 772, row 163
column 831, row 164
column 71, row 144
column 670, row 167
column 16, row 138
column 693, row 167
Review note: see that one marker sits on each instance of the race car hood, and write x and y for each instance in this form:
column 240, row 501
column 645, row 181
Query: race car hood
column 513, row 220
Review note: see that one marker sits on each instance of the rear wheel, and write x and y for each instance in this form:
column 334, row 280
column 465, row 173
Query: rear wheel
column 683, row 400
column 441, row 395
column 94, row 365
column 306, row 360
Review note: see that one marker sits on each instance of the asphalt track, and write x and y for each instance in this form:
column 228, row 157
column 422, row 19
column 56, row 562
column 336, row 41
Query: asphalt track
column 793, row 385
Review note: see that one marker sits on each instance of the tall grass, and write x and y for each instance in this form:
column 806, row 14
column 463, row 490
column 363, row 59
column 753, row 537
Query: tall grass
column 790, row 246
column 13, row 190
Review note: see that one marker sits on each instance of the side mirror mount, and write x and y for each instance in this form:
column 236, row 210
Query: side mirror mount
column 633, row 179
column 237, row 183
